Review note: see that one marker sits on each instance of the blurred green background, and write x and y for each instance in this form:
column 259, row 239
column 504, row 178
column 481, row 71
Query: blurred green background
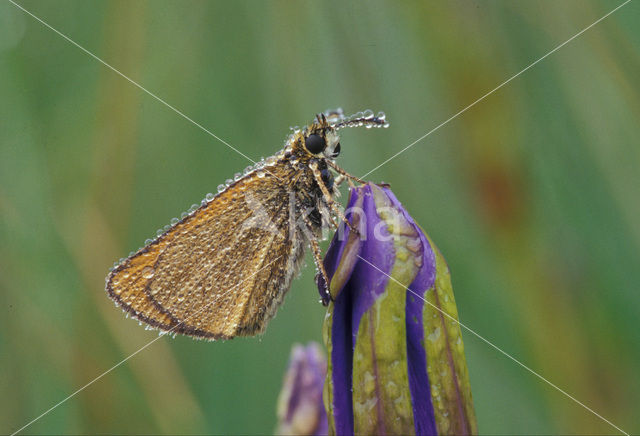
column 532, row 195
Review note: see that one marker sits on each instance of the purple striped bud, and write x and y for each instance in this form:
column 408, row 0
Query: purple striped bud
column 396, row 359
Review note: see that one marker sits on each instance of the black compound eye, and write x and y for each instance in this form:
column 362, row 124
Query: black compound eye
column 315, row 144
column 336, row 151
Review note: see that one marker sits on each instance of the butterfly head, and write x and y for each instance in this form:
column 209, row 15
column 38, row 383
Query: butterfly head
column 320, row 139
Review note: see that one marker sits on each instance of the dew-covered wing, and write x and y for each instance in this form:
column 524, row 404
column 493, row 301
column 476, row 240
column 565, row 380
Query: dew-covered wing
column 221, row 271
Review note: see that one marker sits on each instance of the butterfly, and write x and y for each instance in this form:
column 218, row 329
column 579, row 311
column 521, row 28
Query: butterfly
column 224, row 269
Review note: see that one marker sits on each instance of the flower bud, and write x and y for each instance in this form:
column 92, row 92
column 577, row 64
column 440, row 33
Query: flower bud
column 396, row 360
column 300, row 407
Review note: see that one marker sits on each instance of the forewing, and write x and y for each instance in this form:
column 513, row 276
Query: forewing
column 218, row 272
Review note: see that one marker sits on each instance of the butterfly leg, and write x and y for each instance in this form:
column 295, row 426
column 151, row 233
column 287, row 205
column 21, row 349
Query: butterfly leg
column 329, row 198
column 332, row 221
column 322, row 280
column 351, row 177
column 344, row 173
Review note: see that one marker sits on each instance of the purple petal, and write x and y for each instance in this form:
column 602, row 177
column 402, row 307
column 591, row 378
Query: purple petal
column 364, row 285
column 419, row 386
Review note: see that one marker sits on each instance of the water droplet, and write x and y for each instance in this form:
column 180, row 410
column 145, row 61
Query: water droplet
column 174, row 221
column 435, row 335
column 228, row 182
column 221, row 188
column 209, row 196
column 368, row 114
column 260, row 174
column 237, row 176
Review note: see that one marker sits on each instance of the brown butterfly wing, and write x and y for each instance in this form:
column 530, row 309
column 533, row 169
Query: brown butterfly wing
column 220, row 272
